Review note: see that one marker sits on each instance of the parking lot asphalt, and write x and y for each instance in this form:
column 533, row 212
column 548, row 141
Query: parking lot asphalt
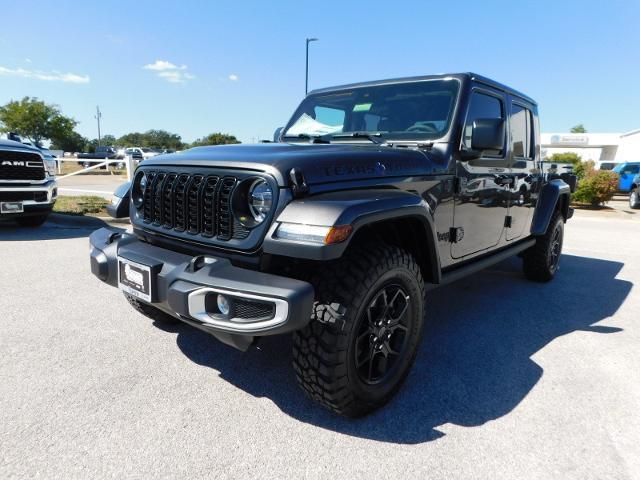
column 86, row 184
column 514, row 380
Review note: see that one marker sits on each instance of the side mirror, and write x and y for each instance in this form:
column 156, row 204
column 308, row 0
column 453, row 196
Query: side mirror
column 276, row 134
column 119, row 206
column 487, row 134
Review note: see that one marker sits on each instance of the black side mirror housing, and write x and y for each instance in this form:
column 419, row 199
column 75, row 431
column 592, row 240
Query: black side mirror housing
column 487, row 134
column 276, row 134
column 119, row 206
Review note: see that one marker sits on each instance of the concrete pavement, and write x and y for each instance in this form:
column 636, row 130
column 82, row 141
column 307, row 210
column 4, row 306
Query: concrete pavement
column 514, row 380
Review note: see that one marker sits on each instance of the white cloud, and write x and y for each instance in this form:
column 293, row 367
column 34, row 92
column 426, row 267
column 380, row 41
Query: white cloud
column 233, row 77
column 53, row 76
column 171, row 72
column 28, row 60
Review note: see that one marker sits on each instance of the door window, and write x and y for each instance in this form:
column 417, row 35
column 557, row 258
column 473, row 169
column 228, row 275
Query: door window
column 521, row 132
column 482, row 105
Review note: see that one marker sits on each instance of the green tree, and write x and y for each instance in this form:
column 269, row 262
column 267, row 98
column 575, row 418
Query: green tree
column 35, row 120
column 162, row 139
column 133, row 139
column 578, row 129
column 73, row 142
column 217, row 138
column 108, row 141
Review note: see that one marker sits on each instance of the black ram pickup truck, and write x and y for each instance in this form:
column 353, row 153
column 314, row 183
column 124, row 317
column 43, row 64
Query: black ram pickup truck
column 28, row 188
column 372, row 195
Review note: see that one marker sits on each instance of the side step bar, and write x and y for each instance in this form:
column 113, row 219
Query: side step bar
column 476, row 265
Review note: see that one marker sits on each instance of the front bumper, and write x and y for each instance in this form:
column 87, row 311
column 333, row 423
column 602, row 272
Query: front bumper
column 36, row 198
column 181, row 284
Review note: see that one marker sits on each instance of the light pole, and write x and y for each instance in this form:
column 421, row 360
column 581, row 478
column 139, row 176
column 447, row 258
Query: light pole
column 306, row 78
column 97, row 117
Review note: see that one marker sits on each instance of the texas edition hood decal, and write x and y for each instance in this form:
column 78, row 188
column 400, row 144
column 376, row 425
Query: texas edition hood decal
column 320, row 163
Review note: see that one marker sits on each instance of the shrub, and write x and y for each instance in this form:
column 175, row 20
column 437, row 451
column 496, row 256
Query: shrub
column 583, row 169
column 597, row 187
column 565, row 157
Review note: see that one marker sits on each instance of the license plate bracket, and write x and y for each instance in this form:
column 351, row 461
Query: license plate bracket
column 11, row 207
column 135, row 279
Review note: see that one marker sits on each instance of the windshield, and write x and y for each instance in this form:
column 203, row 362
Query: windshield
column 417, row 110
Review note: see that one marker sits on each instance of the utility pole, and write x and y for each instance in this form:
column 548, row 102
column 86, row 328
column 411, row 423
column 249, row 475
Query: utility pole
column 98, row 116
column 306, row 78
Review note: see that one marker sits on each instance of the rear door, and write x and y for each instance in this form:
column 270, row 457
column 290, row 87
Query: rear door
column 521, row 168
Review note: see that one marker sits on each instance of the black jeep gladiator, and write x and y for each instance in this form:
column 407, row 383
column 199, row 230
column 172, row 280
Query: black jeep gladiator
column 371, row 195
column 28, row 189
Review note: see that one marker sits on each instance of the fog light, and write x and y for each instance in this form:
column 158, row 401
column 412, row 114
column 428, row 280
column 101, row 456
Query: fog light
column 223, row 305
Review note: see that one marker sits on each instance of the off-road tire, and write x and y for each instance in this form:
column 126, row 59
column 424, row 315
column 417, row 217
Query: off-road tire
column 634, row 198
column 541, row 262
column 31, row 221
column 150, row 311
column 324, row 352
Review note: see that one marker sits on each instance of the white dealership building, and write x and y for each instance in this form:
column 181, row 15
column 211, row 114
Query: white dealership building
column 612, row 147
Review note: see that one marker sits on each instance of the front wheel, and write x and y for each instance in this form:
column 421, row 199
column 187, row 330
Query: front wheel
column 541, row 262
column 365, row 330
column 634, row 199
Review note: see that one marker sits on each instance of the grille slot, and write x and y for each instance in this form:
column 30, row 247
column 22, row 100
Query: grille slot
column 208, row 207
column 21, row 166
column 167, row 200
column 251, row 310
column 157, row 198
column 225, row 225
column 193, row 203
column 147, row 206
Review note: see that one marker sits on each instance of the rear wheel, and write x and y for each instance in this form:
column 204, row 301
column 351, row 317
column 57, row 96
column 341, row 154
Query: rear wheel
column 32, row 221
column 541, row 262
column 150, row 311
column 364, row 332
column 634, row 198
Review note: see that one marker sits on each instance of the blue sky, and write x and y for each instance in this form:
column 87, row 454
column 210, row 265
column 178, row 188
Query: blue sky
column 238, row 66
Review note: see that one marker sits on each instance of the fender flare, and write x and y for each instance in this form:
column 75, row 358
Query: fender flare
column 358, row 208
column 551, row 193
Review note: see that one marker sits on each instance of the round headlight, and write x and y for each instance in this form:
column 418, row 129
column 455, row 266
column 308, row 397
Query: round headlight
column 138, row 188
column 260, row 200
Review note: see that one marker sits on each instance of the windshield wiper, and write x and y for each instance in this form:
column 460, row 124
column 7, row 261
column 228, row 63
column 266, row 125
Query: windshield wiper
column 311, row 138
column 372, row 136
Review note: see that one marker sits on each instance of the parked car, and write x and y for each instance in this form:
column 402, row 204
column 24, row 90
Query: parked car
column 606, row 165
column 100, row 154
column 150, row 152
column 337, row 231
column 634, row 192
column 627, row 172
column 28, row 188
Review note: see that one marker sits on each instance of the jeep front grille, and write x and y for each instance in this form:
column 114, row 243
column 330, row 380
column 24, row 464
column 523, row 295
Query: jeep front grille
column 197, row 204
column 21, row 166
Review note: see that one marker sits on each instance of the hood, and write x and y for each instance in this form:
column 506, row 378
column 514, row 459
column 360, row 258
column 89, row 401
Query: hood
column 320, row 163
column 17, row 145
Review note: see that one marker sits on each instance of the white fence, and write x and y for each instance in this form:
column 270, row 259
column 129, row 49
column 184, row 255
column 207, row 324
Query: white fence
column 127, row 161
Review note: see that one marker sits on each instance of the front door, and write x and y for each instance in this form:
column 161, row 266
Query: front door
column 482, row 198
